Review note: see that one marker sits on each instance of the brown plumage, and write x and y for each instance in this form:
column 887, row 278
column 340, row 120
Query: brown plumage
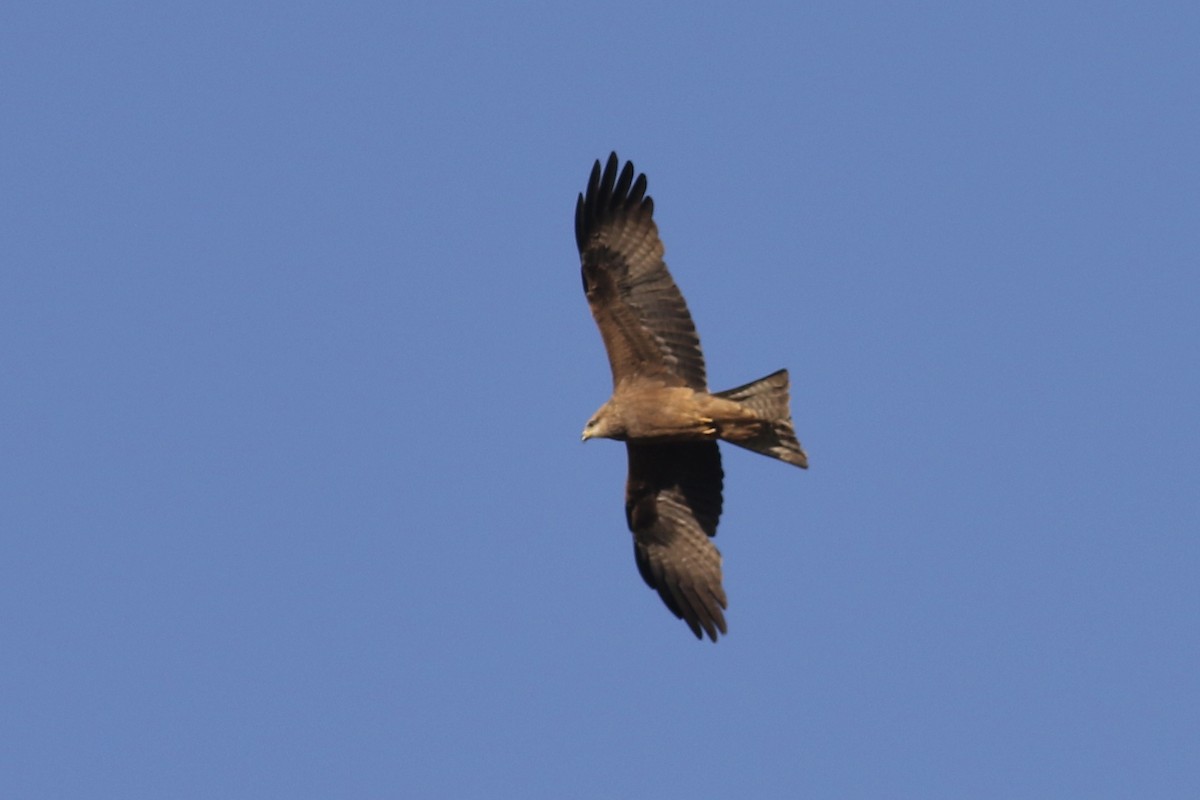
column 660, row 406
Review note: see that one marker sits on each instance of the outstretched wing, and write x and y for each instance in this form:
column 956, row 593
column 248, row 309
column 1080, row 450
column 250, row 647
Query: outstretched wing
column 672, row 504
column 643, row 318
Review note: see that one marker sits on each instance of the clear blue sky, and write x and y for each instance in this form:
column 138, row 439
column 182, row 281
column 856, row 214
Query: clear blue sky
column 295, row 361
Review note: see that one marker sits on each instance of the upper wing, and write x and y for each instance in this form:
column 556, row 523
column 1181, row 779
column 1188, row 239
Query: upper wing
column 672, row 504
column 643, row 318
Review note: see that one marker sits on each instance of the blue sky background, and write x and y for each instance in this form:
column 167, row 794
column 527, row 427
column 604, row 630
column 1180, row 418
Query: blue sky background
column 295, row 361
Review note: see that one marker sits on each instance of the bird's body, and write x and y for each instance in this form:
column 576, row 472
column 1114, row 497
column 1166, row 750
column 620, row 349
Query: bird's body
column 660, row 406
column 649, row 411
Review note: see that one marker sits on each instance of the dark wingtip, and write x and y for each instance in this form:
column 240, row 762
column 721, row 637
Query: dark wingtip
column 579, row 226
column 704, row 616
column 610, row 189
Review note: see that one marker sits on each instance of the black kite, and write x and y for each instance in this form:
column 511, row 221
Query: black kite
column 661, row 407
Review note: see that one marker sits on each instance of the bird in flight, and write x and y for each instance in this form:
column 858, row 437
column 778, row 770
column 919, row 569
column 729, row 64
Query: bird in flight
column 660, row 406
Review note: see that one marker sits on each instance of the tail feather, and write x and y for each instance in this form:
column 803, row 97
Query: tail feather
column 768, row 399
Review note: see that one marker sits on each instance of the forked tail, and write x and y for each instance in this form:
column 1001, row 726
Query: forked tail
column 768, row 399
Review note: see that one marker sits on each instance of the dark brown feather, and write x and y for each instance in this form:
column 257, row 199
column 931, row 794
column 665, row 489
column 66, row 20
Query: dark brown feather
column 672, row 505
column 642, row 316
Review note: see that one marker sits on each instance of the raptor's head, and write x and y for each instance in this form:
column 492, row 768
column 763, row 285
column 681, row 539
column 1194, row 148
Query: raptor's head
column 604, row 424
